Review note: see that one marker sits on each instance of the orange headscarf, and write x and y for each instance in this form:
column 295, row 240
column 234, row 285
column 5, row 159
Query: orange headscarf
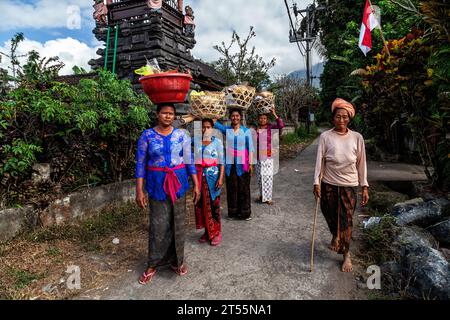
column 342, row 104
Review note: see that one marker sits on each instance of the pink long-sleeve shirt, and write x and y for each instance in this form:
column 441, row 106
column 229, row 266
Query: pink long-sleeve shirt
column 271, row 126
column 342, row 159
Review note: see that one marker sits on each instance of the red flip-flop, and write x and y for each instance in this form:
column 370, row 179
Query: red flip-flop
column 217, row 240
column 181, row 271
column 146, row 277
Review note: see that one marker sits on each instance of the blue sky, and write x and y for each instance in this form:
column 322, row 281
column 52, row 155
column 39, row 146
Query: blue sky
column 44, row 24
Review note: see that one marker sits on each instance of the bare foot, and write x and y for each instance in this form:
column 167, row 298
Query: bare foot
column 347, row 265
column 334, row 246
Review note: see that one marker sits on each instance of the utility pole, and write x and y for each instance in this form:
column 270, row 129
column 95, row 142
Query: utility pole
column 305, row 31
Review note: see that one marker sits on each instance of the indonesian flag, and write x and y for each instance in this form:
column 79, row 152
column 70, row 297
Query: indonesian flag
column 369, row 23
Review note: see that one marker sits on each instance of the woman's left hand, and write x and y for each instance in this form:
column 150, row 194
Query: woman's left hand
column 365, row 196
column 196, row 194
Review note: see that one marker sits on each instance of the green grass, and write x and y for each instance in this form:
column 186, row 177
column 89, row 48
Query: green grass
column 53, row 252
column 379, row 295
column 300, row 136
column 291, row 138
column 378, row 241
column 88, row 232
column 22, row 278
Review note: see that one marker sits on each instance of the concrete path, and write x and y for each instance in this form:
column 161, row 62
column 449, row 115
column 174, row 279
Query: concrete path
column 265, row 258
column 385, row 171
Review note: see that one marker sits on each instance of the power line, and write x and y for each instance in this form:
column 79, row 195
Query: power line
column 293, row 28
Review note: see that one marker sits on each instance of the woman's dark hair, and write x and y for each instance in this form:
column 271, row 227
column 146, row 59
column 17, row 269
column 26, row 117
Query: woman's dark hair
column 264, row 114
column 236, row 110
column 208, row 120
column 161, row 105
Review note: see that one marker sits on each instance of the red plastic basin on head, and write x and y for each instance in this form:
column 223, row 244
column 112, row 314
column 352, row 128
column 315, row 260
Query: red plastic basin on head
column 166, row 87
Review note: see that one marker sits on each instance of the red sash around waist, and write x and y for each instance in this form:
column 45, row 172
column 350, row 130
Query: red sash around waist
column 171, row 183
column 206, row 163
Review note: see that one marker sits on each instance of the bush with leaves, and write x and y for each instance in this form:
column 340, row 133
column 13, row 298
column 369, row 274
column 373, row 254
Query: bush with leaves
column 87, row 133
column 402, row 82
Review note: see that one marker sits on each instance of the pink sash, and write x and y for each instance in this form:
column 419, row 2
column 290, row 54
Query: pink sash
column 241, row 153
column 171, row 183
column 205, row 164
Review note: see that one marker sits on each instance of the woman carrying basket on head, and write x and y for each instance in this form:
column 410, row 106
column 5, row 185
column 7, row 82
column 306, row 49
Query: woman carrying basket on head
column 164, row 161
column 239, row 152
column 341, row 160
column 265, row 164
column 210, row 172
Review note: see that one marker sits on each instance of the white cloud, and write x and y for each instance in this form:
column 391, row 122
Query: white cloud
column 215, row 22
column 71, row 51
column 17, row 14
column 217, row 19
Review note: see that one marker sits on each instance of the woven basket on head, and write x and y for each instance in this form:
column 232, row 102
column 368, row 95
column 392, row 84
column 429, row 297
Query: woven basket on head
column 240, row 96
column 211, row 105
column 263, row 102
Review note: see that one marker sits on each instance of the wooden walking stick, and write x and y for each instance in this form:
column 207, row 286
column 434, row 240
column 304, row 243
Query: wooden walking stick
column 311, row 268
column 314, row 236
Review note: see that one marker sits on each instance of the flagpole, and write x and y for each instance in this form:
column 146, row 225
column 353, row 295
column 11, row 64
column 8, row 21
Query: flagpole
column 381, row 32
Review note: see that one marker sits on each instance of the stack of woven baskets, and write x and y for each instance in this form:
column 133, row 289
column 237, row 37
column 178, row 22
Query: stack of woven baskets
column 214, row 105
column 263, row 102
column 240, row 96
column 209, row 105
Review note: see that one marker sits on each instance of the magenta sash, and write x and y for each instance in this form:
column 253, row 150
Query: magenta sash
column 241, row 153
column 171, row 183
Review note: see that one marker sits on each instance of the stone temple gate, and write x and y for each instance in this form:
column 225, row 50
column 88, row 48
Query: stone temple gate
column 138, row 30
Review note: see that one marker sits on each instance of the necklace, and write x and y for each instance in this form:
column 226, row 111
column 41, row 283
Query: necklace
column 164, row 131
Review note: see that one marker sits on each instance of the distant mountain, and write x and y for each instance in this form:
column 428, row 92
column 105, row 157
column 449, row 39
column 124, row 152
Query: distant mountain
column 317, row 70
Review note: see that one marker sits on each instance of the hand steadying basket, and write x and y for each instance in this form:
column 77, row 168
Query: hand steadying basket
column 240, row 96
column 263, row 102
column 210, row 105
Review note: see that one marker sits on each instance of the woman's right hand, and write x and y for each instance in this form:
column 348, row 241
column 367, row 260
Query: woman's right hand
column 219, row 184
column 317, row 191
column 141, row 199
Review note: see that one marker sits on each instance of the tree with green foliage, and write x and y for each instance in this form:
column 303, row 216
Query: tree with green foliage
column 293, row 96
column 12, row 55
column 241, row 64
column 339, row 34
column 410, row 82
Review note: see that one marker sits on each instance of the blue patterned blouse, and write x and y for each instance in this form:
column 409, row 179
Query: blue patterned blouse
column 212, row 151
column 156, row 150
column 240, row 141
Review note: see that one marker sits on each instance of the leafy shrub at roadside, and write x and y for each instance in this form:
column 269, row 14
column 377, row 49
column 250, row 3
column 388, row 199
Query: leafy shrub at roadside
column 87, row 133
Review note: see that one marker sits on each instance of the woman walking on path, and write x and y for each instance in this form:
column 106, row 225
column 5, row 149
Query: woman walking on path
column 164, row 161
column 265, row 164
column 210, row 173
column 239, row 151
column 340, row 168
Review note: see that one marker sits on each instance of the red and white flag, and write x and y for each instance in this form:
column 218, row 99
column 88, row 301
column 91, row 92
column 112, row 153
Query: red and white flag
column 369, row 23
